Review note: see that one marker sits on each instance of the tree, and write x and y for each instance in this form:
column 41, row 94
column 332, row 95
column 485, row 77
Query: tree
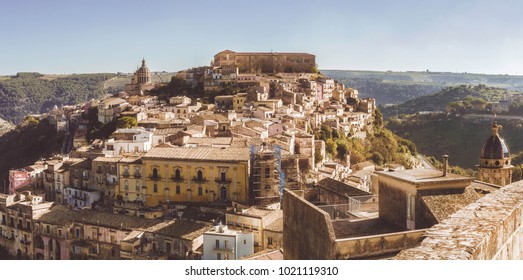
column 317, row 157
column 331, row 146
column 126, row 122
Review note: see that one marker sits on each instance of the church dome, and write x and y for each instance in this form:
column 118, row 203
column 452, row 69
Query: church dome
column 143, row 73
column 495, row 147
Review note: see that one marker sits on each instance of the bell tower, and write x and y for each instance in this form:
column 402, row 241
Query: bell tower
column 495, row 165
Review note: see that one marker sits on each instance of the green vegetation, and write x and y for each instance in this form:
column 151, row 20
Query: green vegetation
column 398, row 87
column 460, row 138
column 126, row 122
column 459, row 99
column 28, row 142
column 381, row 146
column 32, row 93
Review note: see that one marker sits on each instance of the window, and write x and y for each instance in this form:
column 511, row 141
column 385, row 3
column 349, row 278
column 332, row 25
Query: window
column 245, row 241
column 200, row 191
column 77, row 233
column 28, row 225
column 200, row 175
column 267, row 172
column 223, row 177
column 177, row 174
column 218, row 256
column 48, row 229
column 155, row 173
column 177, row 189
column 155, row 188
column 269, row 241
column 60, row 232
column 168, row 247
column 217, row 243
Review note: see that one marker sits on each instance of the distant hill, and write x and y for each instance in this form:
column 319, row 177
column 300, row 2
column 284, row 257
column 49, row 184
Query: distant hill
column 475, row 97
column 460, row 138
column 33, row 93
column 398, row 87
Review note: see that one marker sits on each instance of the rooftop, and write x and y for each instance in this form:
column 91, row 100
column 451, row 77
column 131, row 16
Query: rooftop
column 62, row 215
column 276, row 226
column 340, row 188
column 444, row 204
column 199, row 153
column 181, row 229
column 424, row 176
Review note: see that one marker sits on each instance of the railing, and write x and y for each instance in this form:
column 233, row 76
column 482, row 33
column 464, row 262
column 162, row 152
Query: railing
column 221, row 181
column 137, row 175
column 125, row 175
column 223, row 249
column 155, row 178
column 199, row 180
column 177, row 179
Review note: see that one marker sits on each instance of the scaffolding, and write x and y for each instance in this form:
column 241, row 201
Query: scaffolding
column 267, row 176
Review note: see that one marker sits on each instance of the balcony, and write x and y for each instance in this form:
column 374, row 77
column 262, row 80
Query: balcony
column 223, row 249
column 85, row 177
column 223, row 180
column 125, row 175
column 137, row 175
column 155, row 178
column 199, row 180
column 79, row 197
column 177, row 179
column 26, row 242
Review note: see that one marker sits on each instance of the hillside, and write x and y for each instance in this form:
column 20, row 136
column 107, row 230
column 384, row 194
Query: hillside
column 460, row 138
column 33, row 93
column 117, row 83
column 398, row 87
column 463, row 99
column 5, row 127
column 28, row 142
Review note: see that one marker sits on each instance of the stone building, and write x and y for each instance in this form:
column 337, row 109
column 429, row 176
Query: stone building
column 201, row 174
column 266, row 62
column 495, row 161
column 141, row 81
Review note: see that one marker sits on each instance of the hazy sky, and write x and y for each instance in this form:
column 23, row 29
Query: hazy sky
column 59, row 36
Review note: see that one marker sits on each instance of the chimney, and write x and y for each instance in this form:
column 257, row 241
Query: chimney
column 445, row 165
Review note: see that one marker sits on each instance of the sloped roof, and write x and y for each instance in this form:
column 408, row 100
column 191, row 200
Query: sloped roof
column 340, row 188
column 199, row 153
column 446, row 203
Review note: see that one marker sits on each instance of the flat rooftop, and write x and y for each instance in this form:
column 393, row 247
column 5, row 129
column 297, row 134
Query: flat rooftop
column 424, row 176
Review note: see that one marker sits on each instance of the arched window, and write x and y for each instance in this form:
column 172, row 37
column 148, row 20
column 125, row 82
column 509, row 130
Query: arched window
column 177, row 189
column 200, row 175
column 155, row 188
column 177, row 174
column 155, row 173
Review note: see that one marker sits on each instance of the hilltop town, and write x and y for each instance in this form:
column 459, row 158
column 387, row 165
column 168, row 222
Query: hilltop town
column 257, row 156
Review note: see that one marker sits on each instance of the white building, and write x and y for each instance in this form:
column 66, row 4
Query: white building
column 81, row 198
column 128, row 140
column 220, row 243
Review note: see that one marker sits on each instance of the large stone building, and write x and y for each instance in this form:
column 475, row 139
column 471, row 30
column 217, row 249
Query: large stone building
column 495, row 161
column 201, row 174
column 266, row 62
column 141, row 81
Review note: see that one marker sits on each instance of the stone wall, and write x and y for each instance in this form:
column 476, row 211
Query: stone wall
column 394, row 208
column 307, row 230
column 376, row 245
column 490, row 228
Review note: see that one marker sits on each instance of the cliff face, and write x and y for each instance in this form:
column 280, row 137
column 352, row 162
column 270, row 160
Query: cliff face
column 5, row 126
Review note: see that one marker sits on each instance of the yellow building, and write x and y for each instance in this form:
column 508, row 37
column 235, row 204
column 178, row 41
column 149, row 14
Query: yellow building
column 202, row 174
column 131, row 187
